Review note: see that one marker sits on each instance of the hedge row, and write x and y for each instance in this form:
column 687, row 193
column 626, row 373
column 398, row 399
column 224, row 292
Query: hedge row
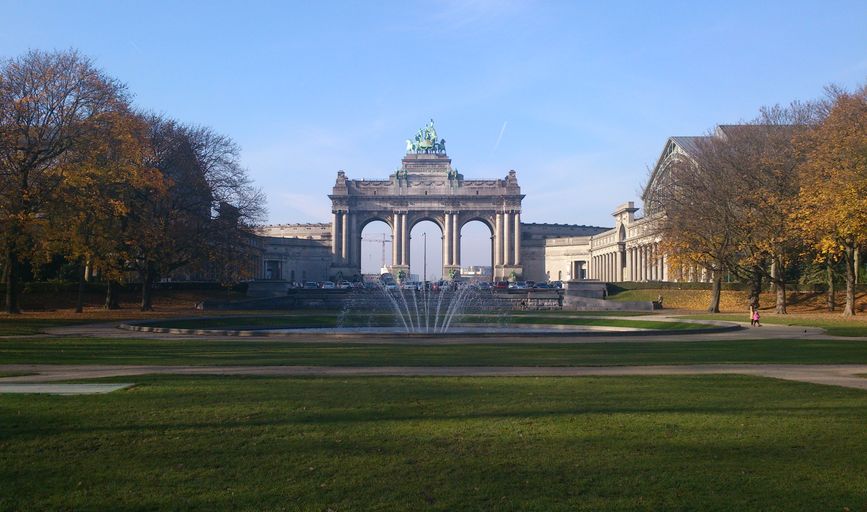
column 45, row 287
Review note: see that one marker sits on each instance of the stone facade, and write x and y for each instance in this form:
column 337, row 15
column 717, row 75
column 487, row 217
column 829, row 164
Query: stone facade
column 428, row 188
column 311, row 231
column 294, row 259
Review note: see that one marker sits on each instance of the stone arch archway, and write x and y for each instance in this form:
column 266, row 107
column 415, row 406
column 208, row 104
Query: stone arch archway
column 426, row 187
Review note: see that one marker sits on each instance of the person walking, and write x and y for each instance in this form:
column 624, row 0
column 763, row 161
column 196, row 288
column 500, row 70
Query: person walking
column 755, row 320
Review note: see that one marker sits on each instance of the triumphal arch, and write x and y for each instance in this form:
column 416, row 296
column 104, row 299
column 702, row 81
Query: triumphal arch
column 426, row 187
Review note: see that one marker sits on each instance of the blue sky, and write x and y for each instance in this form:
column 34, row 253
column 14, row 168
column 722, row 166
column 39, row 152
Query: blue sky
column 577, row 97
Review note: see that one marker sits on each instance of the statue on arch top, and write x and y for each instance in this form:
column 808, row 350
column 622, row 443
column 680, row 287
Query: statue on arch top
column 425, row 141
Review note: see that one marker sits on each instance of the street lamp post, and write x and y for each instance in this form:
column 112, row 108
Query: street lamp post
column 424, row 260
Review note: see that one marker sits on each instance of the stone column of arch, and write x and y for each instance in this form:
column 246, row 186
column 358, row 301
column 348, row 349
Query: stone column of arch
column 517, row 242
column 335, row 234
column 498, row 240
column 447, row 241
column 456, row 241
column 507, row 247
column 404, row 239
column 344, row 237
column 395, row 239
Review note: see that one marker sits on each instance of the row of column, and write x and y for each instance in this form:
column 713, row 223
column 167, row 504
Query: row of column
column 345, row 246
column 607, row 267
column 640, row 263
column 646, row 263
column 507, row 239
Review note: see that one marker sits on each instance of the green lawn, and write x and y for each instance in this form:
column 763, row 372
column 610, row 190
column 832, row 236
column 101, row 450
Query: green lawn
column 540, row 444
column 833, row 326
column 248, row 351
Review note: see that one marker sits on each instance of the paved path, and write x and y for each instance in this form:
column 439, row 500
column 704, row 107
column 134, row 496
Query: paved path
column 832, row 375
column 60, row 389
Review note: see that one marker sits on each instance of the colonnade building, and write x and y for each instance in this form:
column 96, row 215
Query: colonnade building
column 427, row 188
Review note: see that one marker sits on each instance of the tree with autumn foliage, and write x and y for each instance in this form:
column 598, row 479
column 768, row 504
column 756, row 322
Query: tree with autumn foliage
column 48, row 102
column 697, row 213
column 87, row 217
column 761, row 162
column 832, row 202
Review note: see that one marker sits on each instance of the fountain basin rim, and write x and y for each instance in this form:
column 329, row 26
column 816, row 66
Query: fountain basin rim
column 525, row 331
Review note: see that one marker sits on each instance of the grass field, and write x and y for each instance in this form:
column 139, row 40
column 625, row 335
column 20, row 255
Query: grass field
column 202, row 351
column 615, row 443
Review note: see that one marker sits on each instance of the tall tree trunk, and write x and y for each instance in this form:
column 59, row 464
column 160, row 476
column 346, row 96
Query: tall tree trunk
column 756, row 286
column 857, row 265
column 715, row 293
column 832, row 304
column 82, row 275
column 779, row 281
column 111, row 299
column 146, row 285
column 781, row 298
column 849, row 260
column 12, row 279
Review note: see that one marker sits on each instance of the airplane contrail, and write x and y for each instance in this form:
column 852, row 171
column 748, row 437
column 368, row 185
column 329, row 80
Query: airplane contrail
column 499, row 137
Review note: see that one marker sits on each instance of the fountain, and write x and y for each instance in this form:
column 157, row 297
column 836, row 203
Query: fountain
column 420, row 309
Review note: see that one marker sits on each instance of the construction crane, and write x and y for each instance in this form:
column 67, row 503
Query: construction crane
column 385, row 240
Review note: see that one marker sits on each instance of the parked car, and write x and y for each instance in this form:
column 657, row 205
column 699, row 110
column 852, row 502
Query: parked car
column 328, row 285
column 344, row 285
column 311, row 285
column 501, row 285
column 485, row 285
column 541, row 286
